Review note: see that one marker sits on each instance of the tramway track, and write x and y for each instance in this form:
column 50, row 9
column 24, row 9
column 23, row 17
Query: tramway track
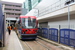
column 42, row 45
column 28, row 46
column 35, row 45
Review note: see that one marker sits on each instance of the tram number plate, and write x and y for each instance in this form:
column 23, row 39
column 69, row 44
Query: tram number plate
column 30, row 32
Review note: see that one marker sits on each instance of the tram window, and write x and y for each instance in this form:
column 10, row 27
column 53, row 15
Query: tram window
column 19, row 23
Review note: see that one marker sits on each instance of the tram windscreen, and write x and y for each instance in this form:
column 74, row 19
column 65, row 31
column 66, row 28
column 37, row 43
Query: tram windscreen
column 28, row 23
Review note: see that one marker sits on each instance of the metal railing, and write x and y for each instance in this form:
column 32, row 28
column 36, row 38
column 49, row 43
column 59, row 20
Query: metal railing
column 56, row 6
column 59, row 33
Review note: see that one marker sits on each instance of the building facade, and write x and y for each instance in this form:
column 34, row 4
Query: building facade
column 24, row 10
column 56, row 15
column 28, row 5
column 11, row 11
column 35, row 2
column 23, row 5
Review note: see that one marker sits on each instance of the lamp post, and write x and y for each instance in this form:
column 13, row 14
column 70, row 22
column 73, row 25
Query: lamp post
column 68, row 2
column 68, row 17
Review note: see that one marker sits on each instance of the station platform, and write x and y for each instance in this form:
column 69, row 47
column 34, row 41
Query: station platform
column 13, row 42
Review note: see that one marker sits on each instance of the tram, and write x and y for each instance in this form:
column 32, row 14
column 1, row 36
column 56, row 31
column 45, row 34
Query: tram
column 27, row 27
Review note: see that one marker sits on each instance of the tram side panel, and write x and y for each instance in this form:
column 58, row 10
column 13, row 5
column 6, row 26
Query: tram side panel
column 19, row 31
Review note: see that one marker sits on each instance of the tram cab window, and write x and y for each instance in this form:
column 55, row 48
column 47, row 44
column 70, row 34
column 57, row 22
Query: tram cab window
column 28, row 23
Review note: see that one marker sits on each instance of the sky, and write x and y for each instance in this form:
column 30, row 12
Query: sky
column 16, row 1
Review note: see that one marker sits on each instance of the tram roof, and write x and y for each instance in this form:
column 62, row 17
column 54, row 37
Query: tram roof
column 22, row 16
